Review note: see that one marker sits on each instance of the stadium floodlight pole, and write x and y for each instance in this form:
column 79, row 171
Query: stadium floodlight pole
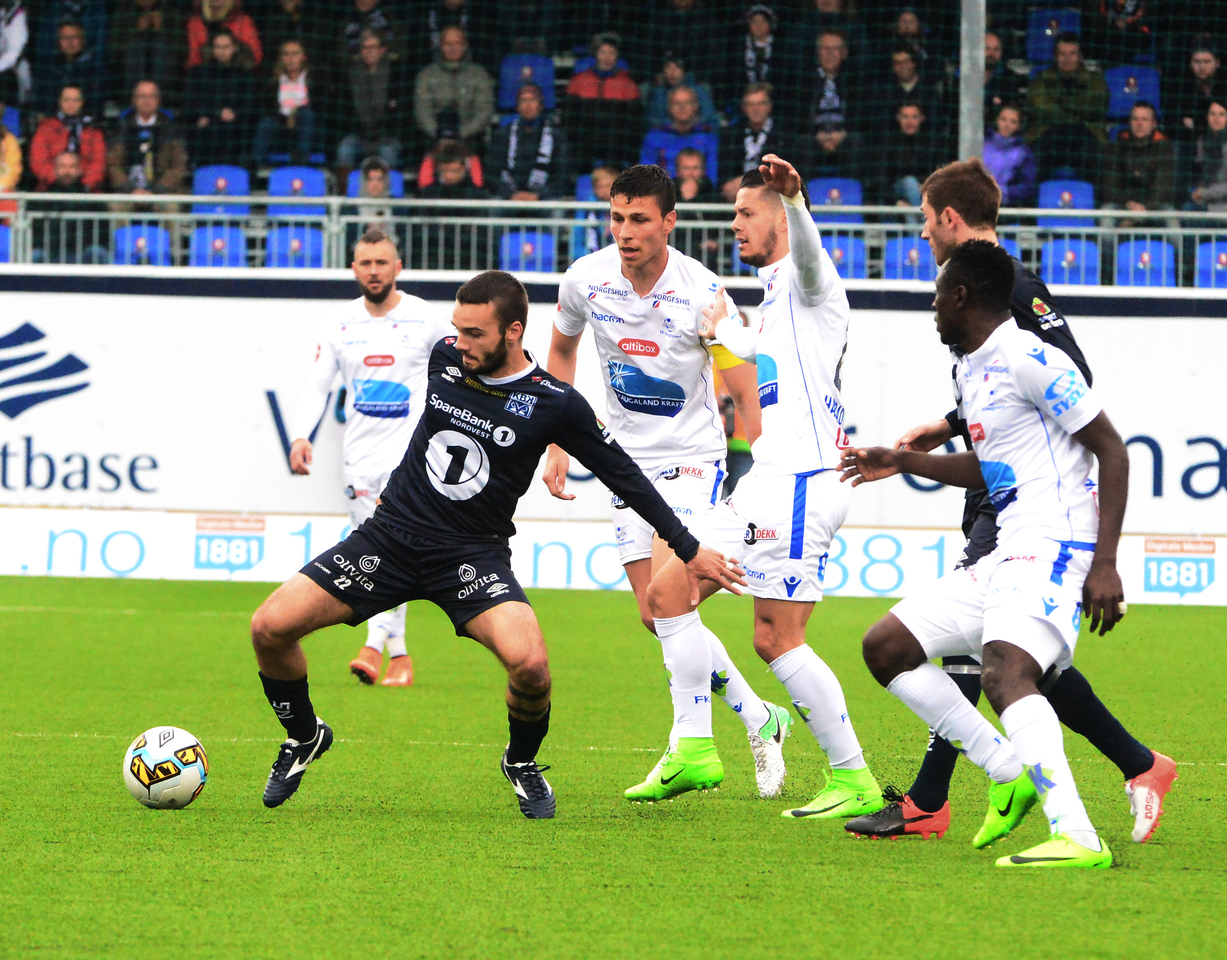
column 971, row 81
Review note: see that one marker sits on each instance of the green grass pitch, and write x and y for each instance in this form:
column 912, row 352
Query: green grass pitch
column 405, row 841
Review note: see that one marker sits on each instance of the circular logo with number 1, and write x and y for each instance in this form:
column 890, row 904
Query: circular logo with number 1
column 457, row 465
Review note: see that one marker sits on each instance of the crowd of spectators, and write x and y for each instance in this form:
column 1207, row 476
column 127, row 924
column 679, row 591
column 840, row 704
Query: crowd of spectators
column 141, row 92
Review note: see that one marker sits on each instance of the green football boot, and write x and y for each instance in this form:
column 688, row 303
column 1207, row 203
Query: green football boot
column 1060, row 850
column 848, row 793
column 692, row 765
column 1008, row 803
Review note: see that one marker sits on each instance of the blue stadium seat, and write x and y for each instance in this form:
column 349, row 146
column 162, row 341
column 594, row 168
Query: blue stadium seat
column 12, row 120
column 295, row 246
column 1043, row 27
column 1066, row 195
column 5, row 252
column 221, row 180
column 527, row 250
column 1010, row 246
column 141, row 244
column 396, row 183
column 218, row 246
column 1069, row 261
column 1145, row 263
column 908, row 258
column 1129, row 84
column 297, row 182
column 848, row 255
column 583, row 188
column 1212, row 263
column 835, row 191
column 521, row 68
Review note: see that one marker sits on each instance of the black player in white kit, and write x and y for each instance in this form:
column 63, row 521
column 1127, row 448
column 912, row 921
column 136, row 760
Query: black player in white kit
column 441, row 531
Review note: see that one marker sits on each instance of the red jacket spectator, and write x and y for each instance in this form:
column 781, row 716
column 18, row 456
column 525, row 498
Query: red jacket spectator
column 591, row 85
column 212, row 15
column 52, row 138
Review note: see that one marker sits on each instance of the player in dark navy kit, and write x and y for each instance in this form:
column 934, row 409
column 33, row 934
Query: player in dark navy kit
column 440, row 533
column 960, row 202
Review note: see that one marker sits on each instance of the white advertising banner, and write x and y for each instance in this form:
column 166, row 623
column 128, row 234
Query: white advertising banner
column 181, row 403
column 864, row 562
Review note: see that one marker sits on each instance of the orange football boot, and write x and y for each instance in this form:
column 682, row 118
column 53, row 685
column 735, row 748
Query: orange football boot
column 900, row 818
column 366, row 665
column 400, row 673
column 1146, row 793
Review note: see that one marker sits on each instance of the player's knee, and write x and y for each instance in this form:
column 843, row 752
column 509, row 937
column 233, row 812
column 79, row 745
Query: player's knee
column 769, row 643
column 890, row 649
column 532, row 674
column 648, row 621
column 264, row 634
column 997, row 685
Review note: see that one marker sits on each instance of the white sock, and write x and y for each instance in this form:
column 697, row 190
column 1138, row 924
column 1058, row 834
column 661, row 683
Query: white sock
column 687, row 653
column 1035, row 731
column 728, row 684
column 818, row 697
column 393, row 622
column 930, row 694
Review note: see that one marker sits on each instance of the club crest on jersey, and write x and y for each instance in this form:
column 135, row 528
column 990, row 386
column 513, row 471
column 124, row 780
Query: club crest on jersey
column 521, row 404
column 771, row 279
column 1040, row 307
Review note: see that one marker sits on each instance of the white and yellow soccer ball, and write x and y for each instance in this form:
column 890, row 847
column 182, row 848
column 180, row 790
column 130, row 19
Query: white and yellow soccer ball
column 165, row 768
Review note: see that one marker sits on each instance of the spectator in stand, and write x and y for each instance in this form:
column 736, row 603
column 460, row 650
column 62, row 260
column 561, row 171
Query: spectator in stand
column 451, row 246
column 147, row 153
column 743, row 145
column 822, row 16
column 10, row 156
column 906, row 85
column 1187, row 97
column 1210, row 190
column 905, row 157
column 693, row 186
column 1001, row 84
column 69, row 131
column 595, row 233
column 375, row 183
column 831, row 101
column 218, row 105
column 453, row 96
column 304, row 21
column 678, row 28
column 602, row 110
column 75, row 63
column 67, row 239
column 527, row 159
column 288, row 109
column 368, row 15
column 1065, row 110
column 755, row 55
column 148, row 41
column 214, row 15
column 1119, row 30
column 375, row 109
column 1140, row 172
column 90, row 14
column 472, row 165
column 908, row 30
column 16, row 83
column 456, row 13
column 662, row 144
column 673, row 74
column 1009, row 159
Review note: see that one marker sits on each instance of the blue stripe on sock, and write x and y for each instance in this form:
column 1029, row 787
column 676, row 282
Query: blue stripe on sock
column 798, row 518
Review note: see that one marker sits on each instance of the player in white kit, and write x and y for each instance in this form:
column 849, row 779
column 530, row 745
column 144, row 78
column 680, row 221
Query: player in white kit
column 784, row 513
column 1036, row 430
column 644, row 301
column 379, row 344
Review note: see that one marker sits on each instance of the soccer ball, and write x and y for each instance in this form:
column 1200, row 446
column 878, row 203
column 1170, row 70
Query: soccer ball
column 165, row 768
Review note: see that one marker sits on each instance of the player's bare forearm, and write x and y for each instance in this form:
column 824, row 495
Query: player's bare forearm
column 866, row 464
column 1103, row 591
column 561, row 360
column 742, row 384
column 926, row 437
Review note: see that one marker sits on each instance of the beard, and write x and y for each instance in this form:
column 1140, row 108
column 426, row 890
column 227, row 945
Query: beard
column 492, row 361
column 377, row 296
column 770, row 244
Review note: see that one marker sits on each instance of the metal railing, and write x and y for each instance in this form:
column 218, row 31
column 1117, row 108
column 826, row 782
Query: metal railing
column 1163, row 248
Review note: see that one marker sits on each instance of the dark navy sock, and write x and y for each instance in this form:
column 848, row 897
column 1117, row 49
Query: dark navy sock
column 931, row 789
column 526, row 737
column 1084, row 713
column 291, row 701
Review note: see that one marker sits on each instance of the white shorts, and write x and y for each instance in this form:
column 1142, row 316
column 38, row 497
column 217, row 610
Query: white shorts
column 689, row 487
column 362, row 493
column 780, row 527
column 1005, row 596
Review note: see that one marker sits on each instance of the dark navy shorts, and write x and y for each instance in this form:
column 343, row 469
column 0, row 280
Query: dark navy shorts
column 376, row 568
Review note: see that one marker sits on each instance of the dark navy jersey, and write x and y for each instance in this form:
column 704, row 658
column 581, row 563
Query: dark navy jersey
column 1033, row 310
column 476, row 449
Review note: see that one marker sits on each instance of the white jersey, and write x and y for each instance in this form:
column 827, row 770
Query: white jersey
column 658, row 380
column 1023, row 399
column 800, row 347
column 382, row 362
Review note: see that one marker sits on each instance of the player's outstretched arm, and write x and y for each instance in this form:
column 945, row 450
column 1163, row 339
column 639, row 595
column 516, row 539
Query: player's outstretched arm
column 816, row 274
column 926, row 437
column 866, row 464
column 1103, row 593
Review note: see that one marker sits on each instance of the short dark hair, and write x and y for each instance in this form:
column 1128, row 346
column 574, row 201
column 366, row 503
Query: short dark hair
column 904, row 48
column 500, row 288
column 1146, row 105
column 535, row 87
column 646, row 180
column 1067, row 36
column 985, row 270
column 376, row 235
column 375, row 162
column 449, row 151
column 968, row 188
column 754, row 178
